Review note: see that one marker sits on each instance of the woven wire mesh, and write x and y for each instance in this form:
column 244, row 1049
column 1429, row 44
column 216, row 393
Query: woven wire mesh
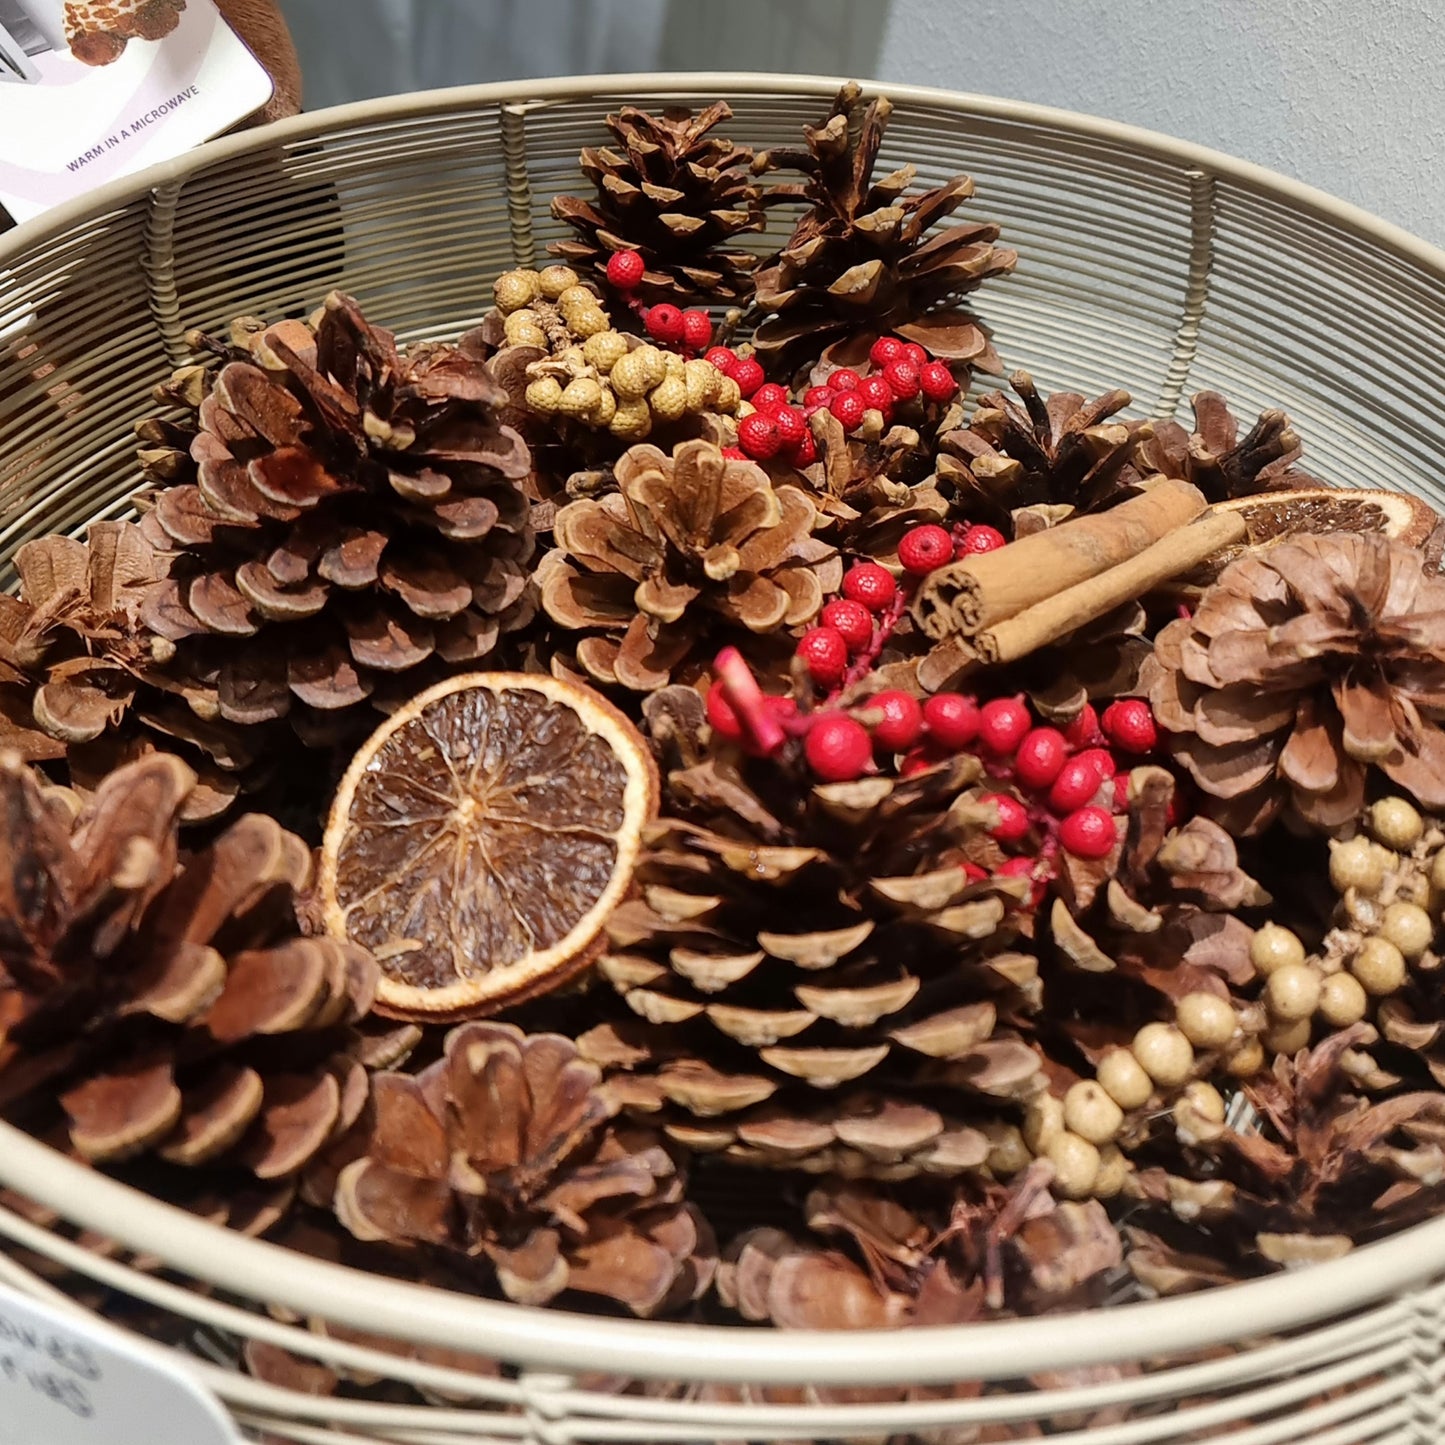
column 1145, row 264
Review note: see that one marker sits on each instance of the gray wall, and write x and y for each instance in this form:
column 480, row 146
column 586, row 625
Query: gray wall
column 1346, row 96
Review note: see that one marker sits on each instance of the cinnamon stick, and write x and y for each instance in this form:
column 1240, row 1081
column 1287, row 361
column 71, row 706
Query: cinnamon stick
column 1061, row 614
column 973, row 593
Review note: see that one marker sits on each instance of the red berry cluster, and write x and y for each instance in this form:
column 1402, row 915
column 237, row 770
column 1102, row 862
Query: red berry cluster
column 775, row 427
column 689, row 331
column 902, row 371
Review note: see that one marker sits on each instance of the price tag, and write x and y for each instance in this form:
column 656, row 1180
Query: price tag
column 66, row 1380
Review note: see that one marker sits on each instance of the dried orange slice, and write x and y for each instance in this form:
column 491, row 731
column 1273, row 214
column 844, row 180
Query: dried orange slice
column 480, row 839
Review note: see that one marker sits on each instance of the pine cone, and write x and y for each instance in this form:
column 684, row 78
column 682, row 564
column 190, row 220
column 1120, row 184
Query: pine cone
column 81, row 682
column 1324, row 1170
column 1065, row 454
column 503, row 1149
column 355, row 527
column 692, row 547
column 810, row 939
column 1218, row 461
column 170, row 1004
column 675, row 193
column 996, row 1248
column 1303, row 667
column 861, row 261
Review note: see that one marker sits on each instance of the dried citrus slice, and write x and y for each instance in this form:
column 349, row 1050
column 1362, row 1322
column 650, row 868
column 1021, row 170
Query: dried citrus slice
column 480, row 839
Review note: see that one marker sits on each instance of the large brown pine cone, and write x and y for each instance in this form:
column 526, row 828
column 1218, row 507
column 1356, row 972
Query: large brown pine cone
column 864, row 259
column 504, row 1149
column 694, row 550
column 355, row 527
column 168, row 999
column 677, row 194
column 817, row 983
column 1302, row 668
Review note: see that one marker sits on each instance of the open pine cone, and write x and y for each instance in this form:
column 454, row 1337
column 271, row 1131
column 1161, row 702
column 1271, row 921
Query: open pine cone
column 503, row 1150
column 1221, row 463
column 1064, row 453
column 861, row 261
column 82, row 683
column 693, row 550
column 1302, row 668
column 1326, row 1169
column 677, row 194
column 355, row 526
column 171, row 1005
column 817, row 983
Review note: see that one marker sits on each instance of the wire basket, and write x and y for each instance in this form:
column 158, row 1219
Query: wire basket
column 1146, row 263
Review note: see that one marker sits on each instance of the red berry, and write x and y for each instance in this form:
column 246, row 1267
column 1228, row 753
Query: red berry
column 1024, row 867
column 877, row 393
column 825, row 655
column 664, row 323
column 902, row 723
column 725, row 722
column 936, row 381
column 981, row 539
column 696, row 330
column 1101, row 760
column 902, row 378
column 1088, row 833
column 884, row 350
column 844, row 379
column 1013, row 818
column 916, row 354
column 770, row 397
column 625, row 268
column 721, row 358
column 758, row 436
column 917, row 760
column 1129, row 725
column 1040, row 756
column 736, row 454
column 1084, row 732
column 1002, row 725
column 804, row 451
column 791, row 424
column 1076, row 785
column 747, row 371
column 1121, row 792
column 975, row 874
column 950, row 717
column 818, row 396
column 925, row 549
column 870, row 584
column 838, row 748
column 848, row 407
column 852, row 619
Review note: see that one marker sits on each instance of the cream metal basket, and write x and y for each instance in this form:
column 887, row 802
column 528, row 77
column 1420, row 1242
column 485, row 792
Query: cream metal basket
column 1146, row 263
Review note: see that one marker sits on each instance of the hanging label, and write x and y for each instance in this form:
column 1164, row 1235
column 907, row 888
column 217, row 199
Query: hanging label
column 95, row 89
column 67, row 1381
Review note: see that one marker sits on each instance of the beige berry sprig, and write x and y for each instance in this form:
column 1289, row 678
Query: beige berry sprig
column 594, row 375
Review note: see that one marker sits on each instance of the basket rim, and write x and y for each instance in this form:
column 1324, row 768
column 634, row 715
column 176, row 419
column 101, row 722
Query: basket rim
column 312, row 124
column 566, row 1342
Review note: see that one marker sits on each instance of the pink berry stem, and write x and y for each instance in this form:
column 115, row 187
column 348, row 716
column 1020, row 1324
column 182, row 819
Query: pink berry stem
column 887, row 620
column 741, row 690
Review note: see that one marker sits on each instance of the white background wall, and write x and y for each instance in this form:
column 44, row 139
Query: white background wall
column 1344, row 95
column 1348, row 95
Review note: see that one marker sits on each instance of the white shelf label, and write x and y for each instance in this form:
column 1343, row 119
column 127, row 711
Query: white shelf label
column 67, row 1381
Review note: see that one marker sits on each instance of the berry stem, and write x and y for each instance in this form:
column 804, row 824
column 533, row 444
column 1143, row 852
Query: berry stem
column 741, row 690
column 888, row 619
